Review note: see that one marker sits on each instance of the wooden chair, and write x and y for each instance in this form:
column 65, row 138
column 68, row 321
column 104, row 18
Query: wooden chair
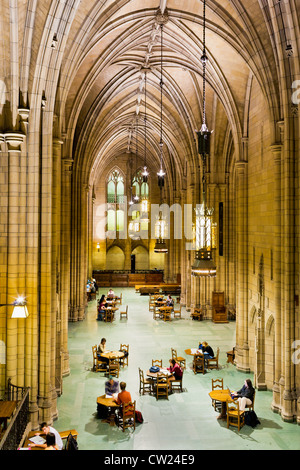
column 177, row 313
column 197, row 314
column 114, row 367
column 162, row 386
column 157, row 362
column 98, row 365
column 146, row 385
column 128, row 416
column 119, row 299
column 198, row 364
column 214, row 363
column 217, row 384
column 235, row 417
column 251, row 407
column 156, row 313
column 123, row 361
column 124, row 313
column 176, row 384
column 181, row 360
column 108, row 316
column 166, row 313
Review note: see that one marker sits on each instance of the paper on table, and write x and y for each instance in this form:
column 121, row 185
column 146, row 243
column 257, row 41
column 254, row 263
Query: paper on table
column 37, row 440
column 115, row 396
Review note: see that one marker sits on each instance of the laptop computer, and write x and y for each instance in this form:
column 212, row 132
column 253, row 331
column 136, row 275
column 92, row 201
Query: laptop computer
column 231, row 394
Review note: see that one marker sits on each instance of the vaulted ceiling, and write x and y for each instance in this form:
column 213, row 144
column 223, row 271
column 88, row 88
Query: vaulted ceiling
column 104, row 48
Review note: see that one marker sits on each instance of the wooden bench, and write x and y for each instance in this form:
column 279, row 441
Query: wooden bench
column 65, row 434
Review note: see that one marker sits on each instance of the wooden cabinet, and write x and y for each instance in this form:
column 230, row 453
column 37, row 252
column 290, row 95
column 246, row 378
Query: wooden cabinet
column 218, row 307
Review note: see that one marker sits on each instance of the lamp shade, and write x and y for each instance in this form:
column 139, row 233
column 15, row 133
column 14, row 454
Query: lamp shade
column 203, row 265
column 160, row 246
column 20, row 311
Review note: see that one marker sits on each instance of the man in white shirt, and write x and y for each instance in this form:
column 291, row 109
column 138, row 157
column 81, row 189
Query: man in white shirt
column 45, row 429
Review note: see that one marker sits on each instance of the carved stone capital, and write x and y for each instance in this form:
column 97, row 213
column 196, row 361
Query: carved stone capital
column 14, row 140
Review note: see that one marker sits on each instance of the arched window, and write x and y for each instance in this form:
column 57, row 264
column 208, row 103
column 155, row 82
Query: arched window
column 115, row 188
column 115, row 200
column 140, row 188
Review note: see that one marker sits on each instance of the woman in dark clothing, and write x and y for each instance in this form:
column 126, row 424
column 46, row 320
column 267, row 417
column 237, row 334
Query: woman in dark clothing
column 207, row 350
column 245, row 395
column 101, row 308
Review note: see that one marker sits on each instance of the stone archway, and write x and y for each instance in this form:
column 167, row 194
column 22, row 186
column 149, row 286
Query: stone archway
column 141, row 258
column 270, row 352
column 115, row 259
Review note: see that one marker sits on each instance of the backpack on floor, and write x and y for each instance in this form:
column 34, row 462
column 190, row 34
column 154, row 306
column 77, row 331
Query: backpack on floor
column 139, row 417
column 71, row 443
column 251, row 418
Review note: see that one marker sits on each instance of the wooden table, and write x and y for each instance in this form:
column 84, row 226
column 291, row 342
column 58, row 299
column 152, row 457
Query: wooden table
column 110, row 312
column 63, row 434
column 154, row 375
column 112, row 354
column 193, row 352
column 111, row 405
column 222, row 396
column 7, row 409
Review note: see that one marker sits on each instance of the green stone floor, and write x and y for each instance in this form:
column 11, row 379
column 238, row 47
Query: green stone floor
column 186, row 421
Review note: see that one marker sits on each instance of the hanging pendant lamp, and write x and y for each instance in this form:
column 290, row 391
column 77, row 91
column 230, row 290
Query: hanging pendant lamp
column 204, row 265
column 160, row 226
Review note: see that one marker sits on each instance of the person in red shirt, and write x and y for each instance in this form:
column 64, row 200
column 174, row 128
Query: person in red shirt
column 175, row 370
column 123, row 397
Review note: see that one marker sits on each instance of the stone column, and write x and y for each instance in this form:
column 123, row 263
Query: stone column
column 242, row 349
column 78, row 299
column 16, row 267
column 65, row 243
column 277, row 155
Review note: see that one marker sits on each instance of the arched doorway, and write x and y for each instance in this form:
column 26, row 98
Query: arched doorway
column 141, row 258
column 115, row 259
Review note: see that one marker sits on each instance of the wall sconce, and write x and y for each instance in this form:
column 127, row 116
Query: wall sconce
column 20, row 308
column 98, row 247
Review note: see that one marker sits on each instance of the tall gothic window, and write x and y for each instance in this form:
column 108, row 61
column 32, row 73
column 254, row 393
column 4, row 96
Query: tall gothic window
column 115, row 199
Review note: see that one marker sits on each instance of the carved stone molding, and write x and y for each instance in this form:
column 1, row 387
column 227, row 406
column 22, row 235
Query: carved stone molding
column 162, row 18
column 14, row 140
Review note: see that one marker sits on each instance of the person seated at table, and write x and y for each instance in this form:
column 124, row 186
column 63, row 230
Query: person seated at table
column 102, row 349
column 111, row 387
column 45, row 429
column 175, row 370
column 101, row 308
column 123, row 397
column 170, row 301
column 110, row 294
column 50, row 442
column 244, row 395
column 206, row 350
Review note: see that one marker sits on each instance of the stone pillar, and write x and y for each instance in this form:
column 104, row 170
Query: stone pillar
column 242, row 347
column 65, row 243
column 277, row 155
column 78, row 297
column 16, row 266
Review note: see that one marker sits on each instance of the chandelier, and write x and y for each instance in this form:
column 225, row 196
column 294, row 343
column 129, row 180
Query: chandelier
column 203, row 264
column 145, row 173
column 161, row 224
